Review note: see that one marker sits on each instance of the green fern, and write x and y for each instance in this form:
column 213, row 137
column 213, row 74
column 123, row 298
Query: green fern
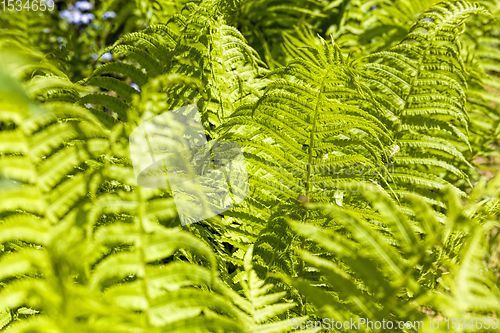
column 424, row 81
column 432, row 265
column 359, row 150
column 150, row 277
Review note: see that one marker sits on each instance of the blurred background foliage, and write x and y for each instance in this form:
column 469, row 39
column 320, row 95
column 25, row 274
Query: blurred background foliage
column 75, row 32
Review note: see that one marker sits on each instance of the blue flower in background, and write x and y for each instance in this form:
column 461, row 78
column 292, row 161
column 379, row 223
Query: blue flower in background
column 107, row 56
column 109, row 15
column 73, row 15
column 427, row 19
column 87, row 17
column 374, row 7
column 135, row 86
column 66, row 14
column 83, row 5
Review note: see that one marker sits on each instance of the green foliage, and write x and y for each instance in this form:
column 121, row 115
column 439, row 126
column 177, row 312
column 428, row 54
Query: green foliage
column 421, row 85
column 431, row 264
column 362, row 123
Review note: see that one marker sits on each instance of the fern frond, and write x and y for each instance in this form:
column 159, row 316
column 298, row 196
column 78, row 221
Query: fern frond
column 427, row 94
column 365, row 270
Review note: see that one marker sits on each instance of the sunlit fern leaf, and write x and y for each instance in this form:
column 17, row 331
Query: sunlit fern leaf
column 305, row 139
column 305, row 120
column 120, row 68
column 110, row 102
column 154, row 289
column 166, row 289
column 272, row 246
column 222, row 62
column 480, row 41
column 234, row 69
column 28, row 27
column 426, row 96
column 366, row 266
column 37, row 274
column 83, row 248
column 5, row 318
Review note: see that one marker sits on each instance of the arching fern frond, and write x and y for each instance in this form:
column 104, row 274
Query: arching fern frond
column 68, row 191
column 221, row 61
column 366, row 277
column 305, row 139
column 311, row 123
column 423, row 79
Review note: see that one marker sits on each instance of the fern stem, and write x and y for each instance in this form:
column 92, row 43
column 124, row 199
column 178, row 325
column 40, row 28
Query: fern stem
column 142, row 255
column 302, row 309
column 311, row 136
column 308, row 179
